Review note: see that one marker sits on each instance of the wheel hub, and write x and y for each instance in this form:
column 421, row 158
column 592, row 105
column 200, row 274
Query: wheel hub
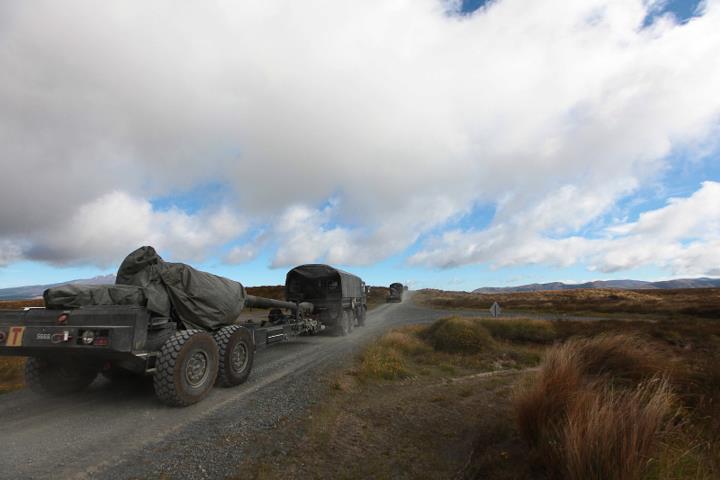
column 197, row 368
column 239, row 357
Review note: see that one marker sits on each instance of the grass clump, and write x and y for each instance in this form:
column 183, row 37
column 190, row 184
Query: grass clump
column 381, row 362
column 406, row 341
column 459, row 335
column 597, row 409
column 521, row 330
column 11, row 373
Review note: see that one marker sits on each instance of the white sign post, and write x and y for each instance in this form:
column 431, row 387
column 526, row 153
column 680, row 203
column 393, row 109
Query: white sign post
column 495, row 310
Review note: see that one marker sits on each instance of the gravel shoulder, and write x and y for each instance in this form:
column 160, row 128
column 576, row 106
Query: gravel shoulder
column 119, row 430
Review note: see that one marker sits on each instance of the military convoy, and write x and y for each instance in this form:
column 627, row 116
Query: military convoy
column 170, row 321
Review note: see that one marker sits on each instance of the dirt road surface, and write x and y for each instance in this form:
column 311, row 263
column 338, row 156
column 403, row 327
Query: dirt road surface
column 120, row 431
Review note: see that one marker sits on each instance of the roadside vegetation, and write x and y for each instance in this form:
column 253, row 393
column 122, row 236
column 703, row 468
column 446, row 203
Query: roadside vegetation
column 515, row 398
column 632, row 398
column 668, row 304
column 11, row 368
column 408, row 407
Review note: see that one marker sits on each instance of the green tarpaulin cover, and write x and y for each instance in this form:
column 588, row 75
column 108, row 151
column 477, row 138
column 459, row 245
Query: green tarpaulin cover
column 74, row 296
column 196, row 299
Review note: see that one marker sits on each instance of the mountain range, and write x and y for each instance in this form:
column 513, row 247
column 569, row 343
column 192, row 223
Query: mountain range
column 36, row 291
column 703, row 282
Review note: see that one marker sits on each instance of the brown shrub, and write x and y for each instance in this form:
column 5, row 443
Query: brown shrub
column 459, row 335
column 596, row 408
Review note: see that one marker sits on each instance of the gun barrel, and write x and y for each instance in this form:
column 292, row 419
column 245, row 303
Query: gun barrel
column 261, row 302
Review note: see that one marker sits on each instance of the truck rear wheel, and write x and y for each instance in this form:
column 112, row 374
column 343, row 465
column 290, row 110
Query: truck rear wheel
column 343, row 326
column 350, row 320
column 237, row 351
column 361, row 316
column 57, row 378
column 186, row 368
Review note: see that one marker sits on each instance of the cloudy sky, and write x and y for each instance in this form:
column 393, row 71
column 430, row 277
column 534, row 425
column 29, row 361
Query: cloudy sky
column 433, row 142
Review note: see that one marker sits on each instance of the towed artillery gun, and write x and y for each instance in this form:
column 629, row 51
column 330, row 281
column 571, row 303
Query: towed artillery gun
column 170, row 321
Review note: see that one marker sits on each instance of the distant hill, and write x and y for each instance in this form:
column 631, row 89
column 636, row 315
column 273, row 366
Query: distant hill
column 36, row 291
column 619, row 284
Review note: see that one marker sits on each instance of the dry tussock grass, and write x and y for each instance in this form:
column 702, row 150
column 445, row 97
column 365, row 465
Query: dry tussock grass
column 520, row 330
column 697, row 302
column 597, row 409
column 15, row 304
column 11, row 373
column 383, row 363
column 451, row 344
column 613, row 434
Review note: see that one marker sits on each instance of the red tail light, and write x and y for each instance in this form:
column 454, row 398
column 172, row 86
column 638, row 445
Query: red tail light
column 101, row 341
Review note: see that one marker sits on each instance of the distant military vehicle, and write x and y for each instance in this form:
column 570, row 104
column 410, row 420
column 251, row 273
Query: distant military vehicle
column 395, row 292
column 339, row 298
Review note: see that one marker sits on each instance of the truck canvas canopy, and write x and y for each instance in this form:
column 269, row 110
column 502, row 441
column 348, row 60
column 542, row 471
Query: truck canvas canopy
column 317, row 281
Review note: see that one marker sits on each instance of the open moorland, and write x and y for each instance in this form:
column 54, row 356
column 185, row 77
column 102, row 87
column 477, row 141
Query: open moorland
column 655, row 304
column 436, row 389
column 516, row 397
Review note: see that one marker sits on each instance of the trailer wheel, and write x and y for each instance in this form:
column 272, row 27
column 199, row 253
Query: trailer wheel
column 186, row 368
column 57, row 378
column 237, row 351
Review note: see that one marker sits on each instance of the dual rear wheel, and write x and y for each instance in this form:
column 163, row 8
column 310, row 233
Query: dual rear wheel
column 189, row 364
column 57, row 377
column 349, row 320
column 192, row 361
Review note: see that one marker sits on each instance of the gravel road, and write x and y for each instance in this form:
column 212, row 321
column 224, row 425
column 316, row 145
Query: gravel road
column 121, row 431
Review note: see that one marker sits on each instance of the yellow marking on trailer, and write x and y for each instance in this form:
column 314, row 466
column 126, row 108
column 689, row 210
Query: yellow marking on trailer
column 15, row 336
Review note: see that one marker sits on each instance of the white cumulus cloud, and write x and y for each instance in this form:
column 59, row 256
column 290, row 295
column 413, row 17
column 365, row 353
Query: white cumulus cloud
column 405, row 114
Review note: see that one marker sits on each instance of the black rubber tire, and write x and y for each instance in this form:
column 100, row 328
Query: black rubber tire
column 361, row 316
column 172, row 382
column 57, row 378
column 229, row 339
column 342, row 327
column 350, row 315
